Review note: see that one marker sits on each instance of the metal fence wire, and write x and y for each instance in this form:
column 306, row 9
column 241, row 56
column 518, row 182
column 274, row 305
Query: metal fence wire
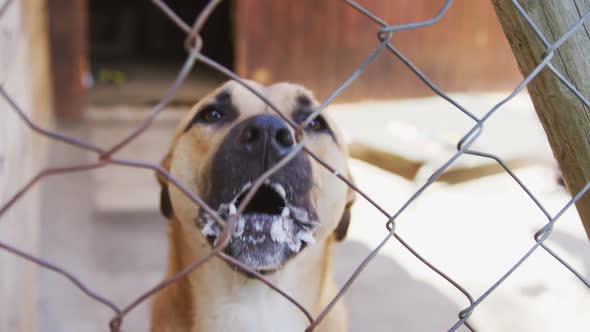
column 107, row 156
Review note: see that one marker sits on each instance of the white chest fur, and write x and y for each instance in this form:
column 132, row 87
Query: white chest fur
column 252, row 307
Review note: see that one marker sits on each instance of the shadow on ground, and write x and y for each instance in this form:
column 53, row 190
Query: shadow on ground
column 386, row 298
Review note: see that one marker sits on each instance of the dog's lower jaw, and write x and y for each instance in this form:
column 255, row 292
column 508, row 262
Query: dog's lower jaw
column 220, row 299
column 252, row 307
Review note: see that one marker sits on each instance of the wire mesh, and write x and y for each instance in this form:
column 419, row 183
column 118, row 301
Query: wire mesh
column 105, row 156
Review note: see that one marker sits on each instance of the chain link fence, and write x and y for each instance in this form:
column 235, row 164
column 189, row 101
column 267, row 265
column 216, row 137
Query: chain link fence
column 106, row 156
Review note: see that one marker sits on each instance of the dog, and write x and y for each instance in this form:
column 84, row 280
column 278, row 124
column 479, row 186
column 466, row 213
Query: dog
column 287, row 231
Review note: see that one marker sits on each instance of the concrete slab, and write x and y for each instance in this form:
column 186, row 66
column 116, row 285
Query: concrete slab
column 110, row 125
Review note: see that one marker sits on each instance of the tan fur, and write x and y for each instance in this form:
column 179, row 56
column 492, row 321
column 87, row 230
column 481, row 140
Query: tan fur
column 215, row 297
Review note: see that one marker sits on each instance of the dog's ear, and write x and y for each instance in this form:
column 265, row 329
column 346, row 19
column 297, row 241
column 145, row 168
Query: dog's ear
column 342, row 228
column 165, row 203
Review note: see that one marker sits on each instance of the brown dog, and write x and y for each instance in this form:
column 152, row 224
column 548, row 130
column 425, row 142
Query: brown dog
column 287, row 231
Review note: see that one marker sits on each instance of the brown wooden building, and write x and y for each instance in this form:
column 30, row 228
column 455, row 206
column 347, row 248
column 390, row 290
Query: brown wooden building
column 321, row 43
column 315, row 42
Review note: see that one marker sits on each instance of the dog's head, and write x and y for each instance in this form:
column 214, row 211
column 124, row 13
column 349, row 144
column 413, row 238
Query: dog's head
column 228, row 140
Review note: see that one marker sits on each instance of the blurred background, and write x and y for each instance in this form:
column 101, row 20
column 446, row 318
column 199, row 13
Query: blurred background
column 94, row 69
column 113, row 52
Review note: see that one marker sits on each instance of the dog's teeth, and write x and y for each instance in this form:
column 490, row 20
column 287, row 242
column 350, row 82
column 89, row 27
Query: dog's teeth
column 246, row 186
column 239, row 230
column 285, row 212
column 277, row 232
column 232, row 209
column 306, row 236
column 210, row 229
column 280, row 190
column 223, row 207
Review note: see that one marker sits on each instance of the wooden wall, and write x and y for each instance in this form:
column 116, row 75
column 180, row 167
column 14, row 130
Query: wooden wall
column 321, row 42
column 24, row 74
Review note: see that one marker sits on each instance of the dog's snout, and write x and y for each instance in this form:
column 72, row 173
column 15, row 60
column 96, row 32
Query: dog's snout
column 266, row 132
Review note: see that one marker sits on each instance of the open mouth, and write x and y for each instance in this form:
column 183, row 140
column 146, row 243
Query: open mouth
column 270, row 230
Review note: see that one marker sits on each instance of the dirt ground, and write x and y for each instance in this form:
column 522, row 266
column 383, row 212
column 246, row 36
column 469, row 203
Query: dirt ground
column 104, row 226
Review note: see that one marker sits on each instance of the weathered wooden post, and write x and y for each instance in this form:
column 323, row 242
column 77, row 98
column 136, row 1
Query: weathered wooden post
column 24, row 76
column 565, row 118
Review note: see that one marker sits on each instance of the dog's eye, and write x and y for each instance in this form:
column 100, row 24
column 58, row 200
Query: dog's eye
column 214, row 114
column 210, row 115
column 318, row 124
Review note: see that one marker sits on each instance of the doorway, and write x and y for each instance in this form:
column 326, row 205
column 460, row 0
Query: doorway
column 135, row 51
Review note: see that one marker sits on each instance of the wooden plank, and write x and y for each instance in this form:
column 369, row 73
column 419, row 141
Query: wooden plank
column 408, row 168
column 320, row 43
column 68, row 26
column 565, row 119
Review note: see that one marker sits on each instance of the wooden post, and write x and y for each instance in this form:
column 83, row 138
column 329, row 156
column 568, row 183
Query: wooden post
column 565, row 119
column 24, row 73
column 68, row 38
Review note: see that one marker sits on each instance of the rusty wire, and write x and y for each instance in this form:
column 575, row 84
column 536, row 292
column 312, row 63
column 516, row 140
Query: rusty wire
column 194, row 43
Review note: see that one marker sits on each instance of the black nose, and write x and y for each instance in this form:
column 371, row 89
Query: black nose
column 266, row 134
